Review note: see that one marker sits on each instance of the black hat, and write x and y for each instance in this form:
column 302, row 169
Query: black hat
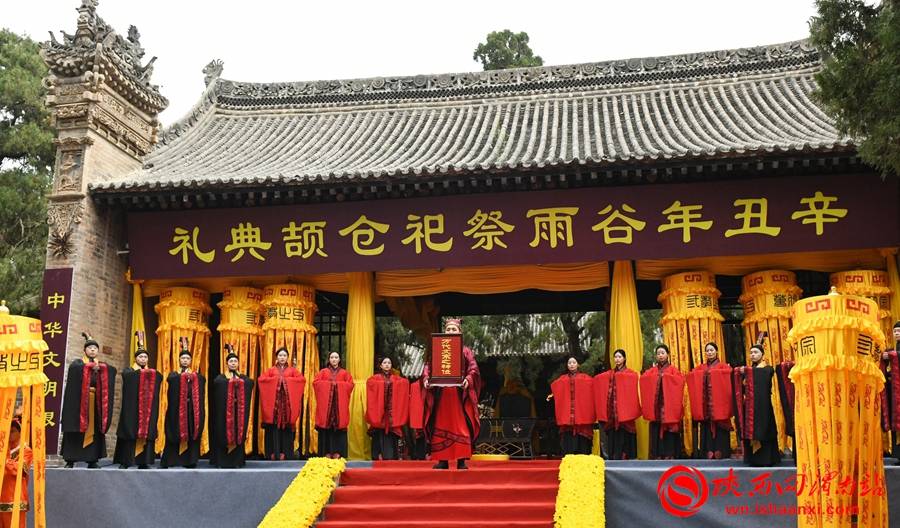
column 185, row 351
column 140, row 344
column 88, row 340
column 231, row 353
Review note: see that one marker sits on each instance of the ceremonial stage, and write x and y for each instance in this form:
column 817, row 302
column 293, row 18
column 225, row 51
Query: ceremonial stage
column 516, row 494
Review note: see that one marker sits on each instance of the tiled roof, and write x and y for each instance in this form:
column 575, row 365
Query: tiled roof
column 723, row 104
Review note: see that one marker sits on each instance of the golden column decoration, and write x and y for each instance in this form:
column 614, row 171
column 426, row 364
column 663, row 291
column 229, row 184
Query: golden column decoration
column 183, row 312
column 22, row 350
column 241, row 319
column 690, row 319
column 290, row 315
column 837, row 341
column 767, row 298
column 871, row 284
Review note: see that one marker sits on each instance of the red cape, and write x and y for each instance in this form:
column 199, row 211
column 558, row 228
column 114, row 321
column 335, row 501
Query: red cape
column 268, row 385
column 890, row 410
column 583, row 387
column 324, row 385
column 375, row 411
column 720, row 389
column 416, row 406
column 672, row 391
column 627, row 407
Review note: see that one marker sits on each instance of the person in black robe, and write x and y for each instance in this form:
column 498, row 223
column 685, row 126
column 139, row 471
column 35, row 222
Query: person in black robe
column 185, row 415
column 87, row 407
column 755, row 415
column 137, row 429
column 231, row 413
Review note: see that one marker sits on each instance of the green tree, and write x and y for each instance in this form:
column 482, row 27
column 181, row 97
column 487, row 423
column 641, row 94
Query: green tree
column 26, row 159
column 859, row 85
column 505, row 49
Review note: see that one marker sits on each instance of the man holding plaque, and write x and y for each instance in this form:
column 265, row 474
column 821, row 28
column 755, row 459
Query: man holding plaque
column 452, row 381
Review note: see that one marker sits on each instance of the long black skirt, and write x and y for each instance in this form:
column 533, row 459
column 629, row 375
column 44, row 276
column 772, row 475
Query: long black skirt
column 575, row 444
column 228, row 459
column 665, row 446
column 715, row 441
column 126, row 456
column 385, row 446
column 171, row 456
column 417, row 444
column 767, row 455
column 332, row 441
column 279, row 442
column 74, row 451
column 621, row 444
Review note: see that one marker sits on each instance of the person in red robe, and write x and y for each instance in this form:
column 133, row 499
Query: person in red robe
column 890, row 396
column 617, row 406
column 280, row 400
column 573, row 401
column 451, row 413
column 11, row 470
column 755, row 415
column 709, row 388
column 662, row 403
column 417, row 420
column 332, row 387
column 387, row 411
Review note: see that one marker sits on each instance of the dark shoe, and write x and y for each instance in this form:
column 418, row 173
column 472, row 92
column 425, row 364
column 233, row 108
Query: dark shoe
column 143, row 466
column 92, row 465
column 123, row 466
column 190, row 466
column 461, row 464
column 443, row 464
column 70, row 465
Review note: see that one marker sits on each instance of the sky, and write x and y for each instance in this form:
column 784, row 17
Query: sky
column 269, row 40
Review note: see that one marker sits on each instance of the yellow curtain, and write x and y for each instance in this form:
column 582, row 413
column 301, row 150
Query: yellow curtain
column 824, row 261
column 183, row 312
column 492, row 279
column 241, row 316
column 22, row 349
column 330, row 282
column 137, row 312
column 838, row 411
column 691, row 318
column 418, row 314
column 290, row 316
column 767, row 298
column 625, row 333
column 360, row 358
column 890, row 264
column 872, row 284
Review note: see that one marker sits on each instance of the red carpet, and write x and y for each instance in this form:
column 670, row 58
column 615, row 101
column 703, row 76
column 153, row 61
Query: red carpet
column 411, row 494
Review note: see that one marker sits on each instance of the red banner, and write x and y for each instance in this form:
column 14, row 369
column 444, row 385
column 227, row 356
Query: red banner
column 446, row 359
column 735, row 217
column 55, row 301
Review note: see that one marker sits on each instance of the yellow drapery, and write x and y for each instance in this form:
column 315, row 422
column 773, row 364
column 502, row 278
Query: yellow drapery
column 872, row 284
column 22, row 348
column 137, row 312
column 183, row 312
column 290, row 316
column 767, row 298
column 492, row 279
column 824, row 261
column 418, row 314
column 690, row 319
column 241, row 319
column 360, row 358
column 890, row 264
column 625, row 333
column 837, row 414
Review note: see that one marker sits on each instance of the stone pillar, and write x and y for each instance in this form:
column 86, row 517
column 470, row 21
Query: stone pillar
column 104, row 111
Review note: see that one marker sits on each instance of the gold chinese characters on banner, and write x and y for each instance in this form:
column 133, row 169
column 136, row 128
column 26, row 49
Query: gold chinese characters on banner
column 22, row 350
column 871, row 284
column 837, row 341
column 290, row 311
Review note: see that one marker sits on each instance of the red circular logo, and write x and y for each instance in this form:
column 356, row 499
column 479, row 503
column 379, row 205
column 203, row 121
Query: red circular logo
column 682, row 490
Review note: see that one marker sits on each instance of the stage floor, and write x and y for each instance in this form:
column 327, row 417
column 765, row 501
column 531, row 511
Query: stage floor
column 223, row 498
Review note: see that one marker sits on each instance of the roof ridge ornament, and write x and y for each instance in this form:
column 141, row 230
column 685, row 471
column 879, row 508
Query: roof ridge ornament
column 213, row 71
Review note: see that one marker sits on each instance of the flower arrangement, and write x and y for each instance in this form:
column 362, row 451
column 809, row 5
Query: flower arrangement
column 581, row 499
column 306, row 496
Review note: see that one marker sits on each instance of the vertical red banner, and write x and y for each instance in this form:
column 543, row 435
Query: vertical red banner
column 55, row 302
column 446, row 359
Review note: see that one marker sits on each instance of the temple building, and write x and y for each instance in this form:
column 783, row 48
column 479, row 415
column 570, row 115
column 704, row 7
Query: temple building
column 289, row 214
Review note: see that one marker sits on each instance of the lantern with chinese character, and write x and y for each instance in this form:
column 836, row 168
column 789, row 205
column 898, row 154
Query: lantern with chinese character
column 290, row 310
column 871, row 284
column 767, row 298
column 690, row 319
column 183, row 313
column 241, row 327
column 837, row 340
column 21, row 362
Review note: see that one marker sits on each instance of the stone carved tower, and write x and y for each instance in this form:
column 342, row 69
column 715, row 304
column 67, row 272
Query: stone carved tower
column 104, row 110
